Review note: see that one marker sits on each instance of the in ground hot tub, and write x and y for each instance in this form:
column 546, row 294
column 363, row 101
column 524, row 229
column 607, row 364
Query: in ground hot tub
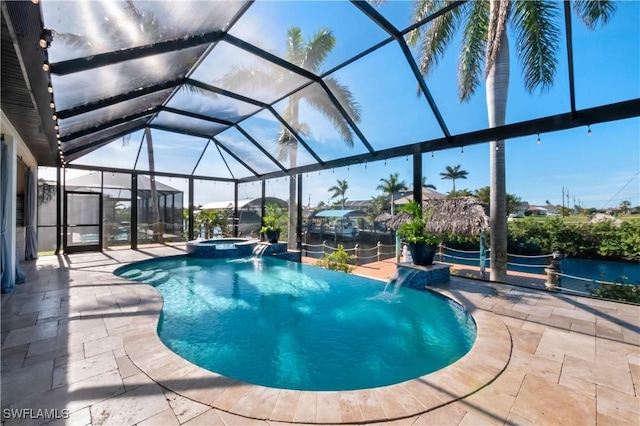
column 219, row 248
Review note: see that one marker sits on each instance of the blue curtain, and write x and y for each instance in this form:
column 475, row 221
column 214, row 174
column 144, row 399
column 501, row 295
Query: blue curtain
column 31, row 244
column 8, row 277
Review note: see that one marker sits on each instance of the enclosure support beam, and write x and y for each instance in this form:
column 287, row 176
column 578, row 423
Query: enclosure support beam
column 264, row 196
column 134, row 211
column 417, row 178
column 190, row 235
column 236, row 218
column 58, row 211
column 299, row 223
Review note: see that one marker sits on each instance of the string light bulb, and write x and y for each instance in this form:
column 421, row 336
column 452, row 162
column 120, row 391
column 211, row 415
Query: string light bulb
column 49, row 89
column 538, row 138
column 462, row 150
column 432, row 156
column 588, row 129
column 45, row 67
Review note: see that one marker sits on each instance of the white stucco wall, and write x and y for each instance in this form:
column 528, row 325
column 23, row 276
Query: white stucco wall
column 17, row 148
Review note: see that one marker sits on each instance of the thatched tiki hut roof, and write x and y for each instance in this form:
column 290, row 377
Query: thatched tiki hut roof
column 459, row 216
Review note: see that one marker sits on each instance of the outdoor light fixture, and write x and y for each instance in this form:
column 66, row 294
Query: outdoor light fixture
column 49, row 88
column 46, row 38
column 56, row 127
column 54, row 117
column 52, row 105
column 45, row 67
column 497, row 149
column 588, row 129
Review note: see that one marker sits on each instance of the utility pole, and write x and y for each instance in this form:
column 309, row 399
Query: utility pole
column 568, row 208
column 563, row 201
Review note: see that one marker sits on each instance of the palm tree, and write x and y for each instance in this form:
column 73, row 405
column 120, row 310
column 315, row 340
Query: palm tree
column 340, row 190
column 427, row 185
column 454, row 173
column 484, row 41
column 625, row 206
column 309, row 55
column 391, row 186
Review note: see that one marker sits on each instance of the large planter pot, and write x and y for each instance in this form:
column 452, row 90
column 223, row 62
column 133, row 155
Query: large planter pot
column 422, row 253
column 272, row 236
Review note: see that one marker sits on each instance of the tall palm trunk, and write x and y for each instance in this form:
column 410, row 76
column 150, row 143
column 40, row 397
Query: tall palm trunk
column 293, row 180
column 155, row 211
column 497, row 88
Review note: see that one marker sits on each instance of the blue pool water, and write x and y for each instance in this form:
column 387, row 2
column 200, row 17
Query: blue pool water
column 287, row 325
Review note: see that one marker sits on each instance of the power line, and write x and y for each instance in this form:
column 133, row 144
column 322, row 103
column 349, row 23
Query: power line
column 620, row 190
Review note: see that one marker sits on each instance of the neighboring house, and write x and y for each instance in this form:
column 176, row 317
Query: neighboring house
column 536, row 211
column 521, row 211
column 249, row 210
column 407, row 196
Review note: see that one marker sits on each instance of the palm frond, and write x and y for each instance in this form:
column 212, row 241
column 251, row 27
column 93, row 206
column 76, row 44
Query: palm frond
column 434, row 41
column 345, row 97
column 538, row 36
column 472, row 54
column 318, row 99
column 592, row 12
column 498, row 15
column 80, row 42
column 296, row 48
column 196, row 90
column 252, row 78
column 318, row 48
column 421, row 10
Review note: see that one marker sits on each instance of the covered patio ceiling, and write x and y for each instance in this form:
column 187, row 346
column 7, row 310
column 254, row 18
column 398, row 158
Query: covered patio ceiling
column 213, row 82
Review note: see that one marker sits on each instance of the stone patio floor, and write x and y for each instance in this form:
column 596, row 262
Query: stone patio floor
column 76, row 337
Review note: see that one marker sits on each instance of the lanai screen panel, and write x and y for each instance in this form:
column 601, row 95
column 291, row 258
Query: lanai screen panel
column 267, row 25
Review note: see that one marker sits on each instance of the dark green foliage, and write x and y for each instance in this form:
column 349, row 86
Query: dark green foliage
column 604, row 239
column 587, row 240
column 337, row 261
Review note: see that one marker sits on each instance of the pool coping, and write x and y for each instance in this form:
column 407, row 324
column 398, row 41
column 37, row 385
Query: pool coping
column 487, row 359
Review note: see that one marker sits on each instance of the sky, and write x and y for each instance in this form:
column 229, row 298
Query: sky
column 598, row 170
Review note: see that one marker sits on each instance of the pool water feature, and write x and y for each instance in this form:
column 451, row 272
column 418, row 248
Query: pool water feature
column 287, row 325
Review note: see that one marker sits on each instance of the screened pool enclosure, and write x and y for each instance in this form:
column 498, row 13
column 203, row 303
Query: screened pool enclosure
column 129, row 99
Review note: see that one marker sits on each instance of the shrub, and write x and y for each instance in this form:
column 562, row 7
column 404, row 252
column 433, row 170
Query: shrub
column 626, row 292
column 337, row 261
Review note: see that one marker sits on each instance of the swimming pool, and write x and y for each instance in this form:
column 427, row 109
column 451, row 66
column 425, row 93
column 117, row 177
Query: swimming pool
column 287, row 325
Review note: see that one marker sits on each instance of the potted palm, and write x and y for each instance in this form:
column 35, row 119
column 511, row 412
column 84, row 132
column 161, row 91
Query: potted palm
column 274, row 220
column 422, row 243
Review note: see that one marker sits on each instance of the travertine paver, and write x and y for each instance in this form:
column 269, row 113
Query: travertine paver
column 76, row 337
